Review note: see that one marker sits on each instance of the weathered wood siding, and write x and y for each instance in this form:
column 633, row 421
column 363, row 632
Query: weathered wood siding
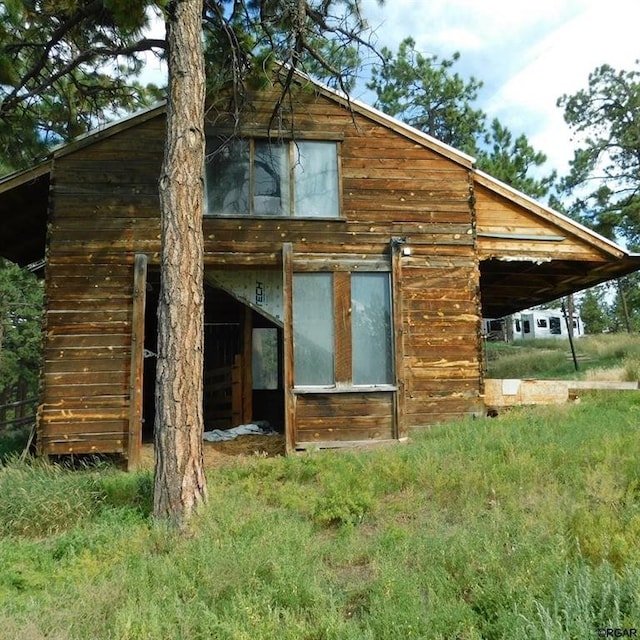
column 441, row 343
column 392, row 186
column 105, row 209
column 508, row 230
column 327, row 417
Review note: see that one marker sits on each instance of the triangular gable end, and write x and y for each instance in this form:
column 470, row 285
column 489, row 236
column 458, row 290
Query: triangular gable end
column 503, row 213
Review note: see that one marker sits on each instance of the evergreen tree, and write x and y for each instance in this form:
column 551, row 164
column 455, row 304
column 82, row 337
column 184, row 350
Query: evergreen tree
column 426, row 93
column 604, row 180
column 252, row 30
column 21, row 306
column 513, row 161
column 624, row 308
column 593, row 310
column 65, row 68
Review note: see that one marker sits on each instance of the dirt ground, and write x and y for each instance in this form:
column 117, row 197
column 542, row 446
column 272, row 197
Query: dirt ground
column 218, row 454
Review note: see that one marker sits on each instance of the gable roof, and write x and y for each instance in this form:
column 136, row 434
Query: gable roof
column 508, row 284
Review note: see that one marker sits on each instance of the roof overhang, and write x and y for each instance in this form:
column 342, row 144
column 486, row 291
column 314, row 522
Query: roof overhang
column 511, row 281
column 510, row 285
column 24, row 198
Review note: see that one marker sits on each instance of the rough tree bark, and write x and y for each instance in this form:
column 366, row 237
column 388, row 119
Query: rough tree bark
column 179, row 475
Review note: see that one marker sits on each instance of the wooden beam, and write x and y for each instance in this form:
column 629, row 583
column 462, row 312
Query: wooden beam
column 289, row 397
column 399, row 422
column 137, row 361
column 529, row 237
column 247, row 369
column 342, row 324
column 236, row 391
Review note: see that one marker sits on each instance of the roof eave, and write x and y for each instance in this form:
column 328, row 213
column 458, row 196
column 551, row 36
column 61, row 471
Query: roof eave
column 109, row 129
column 558, row 218
column 388, row 121
column 18, row 178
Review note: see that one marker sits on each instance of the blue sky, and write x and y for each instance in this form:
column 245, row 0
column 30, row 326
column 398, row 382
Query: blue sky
column 527, row 53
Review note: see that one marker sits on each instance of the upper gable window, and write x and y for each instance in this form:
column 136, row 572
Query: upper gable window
column 265, row 178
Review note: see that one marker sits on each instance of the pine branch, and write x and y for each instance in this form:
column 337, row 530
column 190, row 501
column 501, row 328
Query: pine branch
column 15, row 98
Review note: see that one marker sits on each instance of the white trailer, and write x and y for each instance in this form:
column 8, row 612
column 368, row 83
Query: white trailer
column 531, row 324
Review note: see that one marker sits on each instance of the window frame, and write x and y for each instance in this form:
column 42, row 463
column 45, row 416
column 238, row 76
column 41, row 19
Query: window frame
column 214, row 141
column 343, row 339
column 555, row 326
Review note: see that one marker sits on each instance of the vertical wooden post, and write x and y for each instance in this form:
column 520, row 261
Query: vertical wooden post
column 137, row 361
column 399, row 426
column 289, row 397
column 247, row 370
column 342, row 314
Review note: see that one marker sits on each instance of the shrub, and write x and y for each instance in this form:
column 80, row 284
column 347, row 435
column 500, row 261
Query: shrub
column 12, row 443
column 342, row 506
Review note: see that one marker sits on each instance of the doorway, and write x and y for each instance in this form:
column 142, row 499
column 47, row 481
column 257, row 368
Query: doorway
column 243, row 363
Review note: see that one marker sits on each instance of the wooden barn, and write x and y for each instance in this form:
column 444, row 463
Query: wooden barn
column 349, row 260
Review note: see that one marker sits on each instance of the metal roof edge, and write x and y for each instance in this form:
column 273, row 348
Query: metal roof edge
column 109, row 129
column 386, row 120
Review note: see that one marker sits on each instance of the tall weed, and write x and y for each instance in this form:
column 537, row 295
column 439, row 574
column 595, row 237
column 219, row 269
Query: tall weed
column 631, row 369
column 38, row 499
column 586, row 601
column 552, row 358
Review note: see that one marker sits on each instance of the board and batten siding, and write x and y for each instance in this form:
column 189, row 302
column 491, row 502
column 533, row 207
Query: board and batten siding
column 105, row 210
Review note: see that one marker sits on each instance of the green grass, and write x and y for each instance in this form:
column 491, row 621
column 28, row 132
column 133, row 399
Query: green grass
column 552, row 359
column 522, row 526
column 13, row 442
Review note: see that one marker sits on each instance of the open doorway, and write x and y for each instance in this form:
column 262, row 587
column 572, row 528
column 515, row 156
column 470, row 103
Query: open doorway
column 243, row 363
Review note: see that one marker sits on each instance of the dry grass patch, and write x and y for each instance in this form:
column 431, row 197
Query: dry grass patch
column 222, row 454
column 613, row 374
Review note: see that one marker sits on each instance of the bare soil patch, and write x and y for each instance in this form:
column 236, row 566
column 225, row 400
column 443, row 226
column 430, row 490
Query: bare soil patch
column 219, row 454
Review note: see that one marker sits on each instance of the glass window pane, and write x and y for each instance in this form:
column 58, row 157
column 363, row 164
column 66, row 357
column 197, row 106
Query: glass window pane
column 265, row 358
column 316, row 179
column 271, row 179
column 371, row 328
column 227, row 178
column 313, row 342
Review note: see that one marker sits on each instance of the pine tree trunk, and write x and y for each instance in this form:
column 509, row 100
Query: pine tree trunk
column 179, row 475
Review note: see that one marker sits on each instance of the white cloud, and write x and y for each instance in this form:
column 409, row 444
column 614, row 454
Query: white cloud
column 527, row 54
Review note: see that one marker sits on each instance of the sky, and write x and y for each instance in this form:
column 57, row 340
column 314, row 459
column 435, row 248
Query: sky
column 527, row 54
